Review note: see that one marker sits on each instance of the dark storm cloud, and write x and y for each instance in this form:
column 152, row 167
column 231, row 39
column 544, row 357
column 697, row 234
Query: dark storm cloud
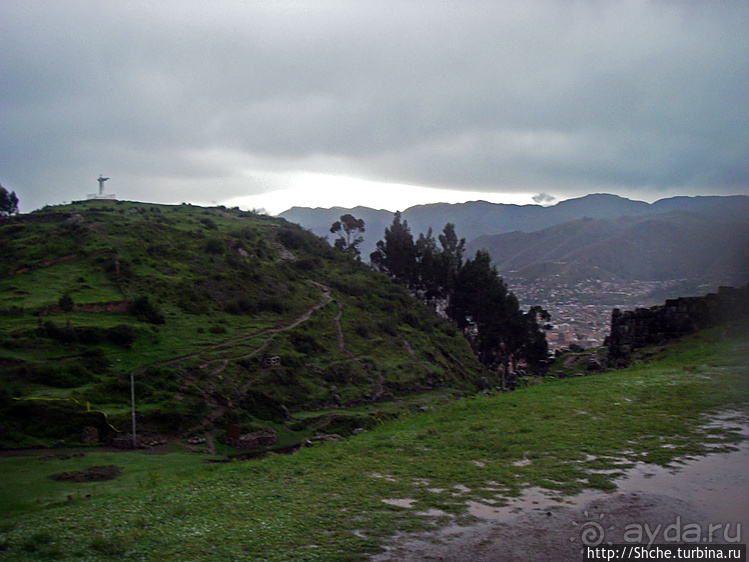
column 204, row 101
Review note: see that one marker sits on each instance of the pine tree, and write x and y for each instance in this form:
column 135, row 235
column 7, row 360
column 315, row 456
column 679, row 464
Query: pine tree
column 396, row 255
column 478, row 299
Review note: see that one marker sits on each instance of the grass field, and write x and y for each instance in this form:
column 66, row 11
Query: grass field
column 326, row 502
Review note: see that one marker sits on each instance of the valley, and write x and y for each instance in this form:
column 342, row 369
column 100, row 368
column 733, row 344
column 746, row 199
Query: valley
column 581, row 312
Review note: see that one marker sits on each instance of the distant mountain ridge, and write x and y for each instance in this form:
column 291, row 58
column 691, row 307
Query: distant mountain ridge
column 480, row 218
column 665, row 246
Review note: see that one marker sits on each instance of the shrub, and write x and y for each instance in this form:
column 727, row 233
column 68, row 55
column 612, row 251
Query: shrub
column 241, row 306
column 60, row 376
column 58, row 333
column 147, row 311
column 114, row 389
column 110, row 546
column 37, row 540
column 245, row 233
column 448, row 329
column 56, row 419
column 408, row 317
column 66, row 303
column 160, row 378
column 122, row 335
column 95, row 360
column 306, row 344
column 209, row 224
column 307, row 264
column 214, row 246
column 293, row 238
column 6, row 398
column 263, row 407
column 88, row 335
column 388, row 326
column 271, row 304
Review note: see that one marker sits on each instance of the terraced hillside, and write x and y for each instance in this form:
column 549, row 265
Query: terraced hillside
column 222, row 317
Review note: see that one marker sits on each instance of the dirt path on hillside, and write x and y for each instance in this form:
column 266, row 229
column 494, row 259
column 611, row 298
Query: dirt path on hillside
column 271, row 333
column 704, row 499
column 219, row 406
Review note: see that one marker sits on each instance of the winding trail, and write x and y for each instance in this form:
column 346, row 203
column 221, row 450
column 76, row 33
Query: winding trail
column 219, row 405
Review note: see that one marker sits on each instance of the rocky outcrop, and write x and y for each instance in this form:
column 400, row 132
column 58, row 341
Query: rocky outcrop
column 263, row 437
column 112, row 307
column 634, row 329
column 89, row 435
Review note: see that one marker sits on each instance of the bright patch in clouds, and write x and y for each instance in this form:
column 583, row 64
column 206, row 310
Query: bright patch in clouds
column 325, row 190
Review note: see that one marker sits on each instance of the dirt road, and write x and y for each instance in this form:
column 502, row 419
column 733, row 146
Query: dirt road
column 704, row 499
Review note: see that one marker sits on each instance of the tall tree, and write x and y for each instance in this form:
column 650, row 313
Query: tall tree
column 428, row 267
column 8, row 202
column 451, row 256
column 396, row 255
column 478, row 300
column 536, row 348
column 349, row 230
column 501, row 334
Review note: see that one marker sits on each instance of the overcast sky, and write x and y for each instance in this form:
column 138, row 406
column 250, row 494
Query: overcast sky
column 387, row 104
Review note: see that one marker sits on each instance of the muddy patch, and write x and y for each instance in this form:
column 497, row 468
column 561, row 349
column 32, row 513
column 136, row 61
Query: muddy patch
column 405, row 502
column 700, row 501
column 556, row 534
column 91, row 474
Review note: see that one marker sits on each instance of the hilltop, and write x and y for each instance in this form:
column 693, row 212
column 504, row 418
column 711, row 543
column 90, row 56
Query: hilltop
column 225, row 318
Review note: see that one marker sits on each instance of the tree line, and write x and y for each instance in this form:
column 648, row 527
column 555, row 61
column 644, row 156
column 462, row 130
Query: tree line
column 469, row 292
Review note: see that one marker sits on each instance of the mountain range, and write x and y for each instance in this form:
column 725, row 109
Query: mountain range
column 667, row 246
column 599, row 236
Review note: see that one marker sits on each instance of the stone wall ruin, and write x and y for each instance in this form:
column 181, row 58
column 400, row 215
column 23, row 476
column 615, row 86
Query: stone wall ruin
column 635, row 329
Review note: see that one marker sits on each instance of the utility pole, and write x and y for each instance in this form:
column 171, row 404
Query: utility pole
column 132, row 406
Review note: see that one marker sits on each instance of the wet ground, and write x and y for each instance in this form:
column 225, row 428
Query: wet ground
column 703, row 500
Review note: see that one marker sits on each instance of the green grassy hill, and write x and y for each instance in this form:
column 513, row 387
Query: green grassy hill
column 224, row 317
column 341, row 501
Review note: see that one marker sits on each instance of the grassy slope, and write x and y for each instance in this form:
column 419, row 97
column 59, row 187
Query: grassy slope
column 231, row 288
column 325, row 503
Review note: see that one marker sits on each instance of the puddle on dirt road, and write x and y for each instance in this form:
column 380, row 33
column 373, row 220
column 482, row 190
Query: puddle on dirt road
column 716, row 484
column 405, row 502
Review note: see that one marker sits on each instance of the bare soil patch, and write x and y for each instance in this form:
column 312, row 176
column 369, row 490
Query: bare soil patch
column 91, row 474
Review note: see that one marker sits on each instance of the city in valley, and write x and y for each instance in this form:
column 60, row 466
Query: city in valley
column 581, row 312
